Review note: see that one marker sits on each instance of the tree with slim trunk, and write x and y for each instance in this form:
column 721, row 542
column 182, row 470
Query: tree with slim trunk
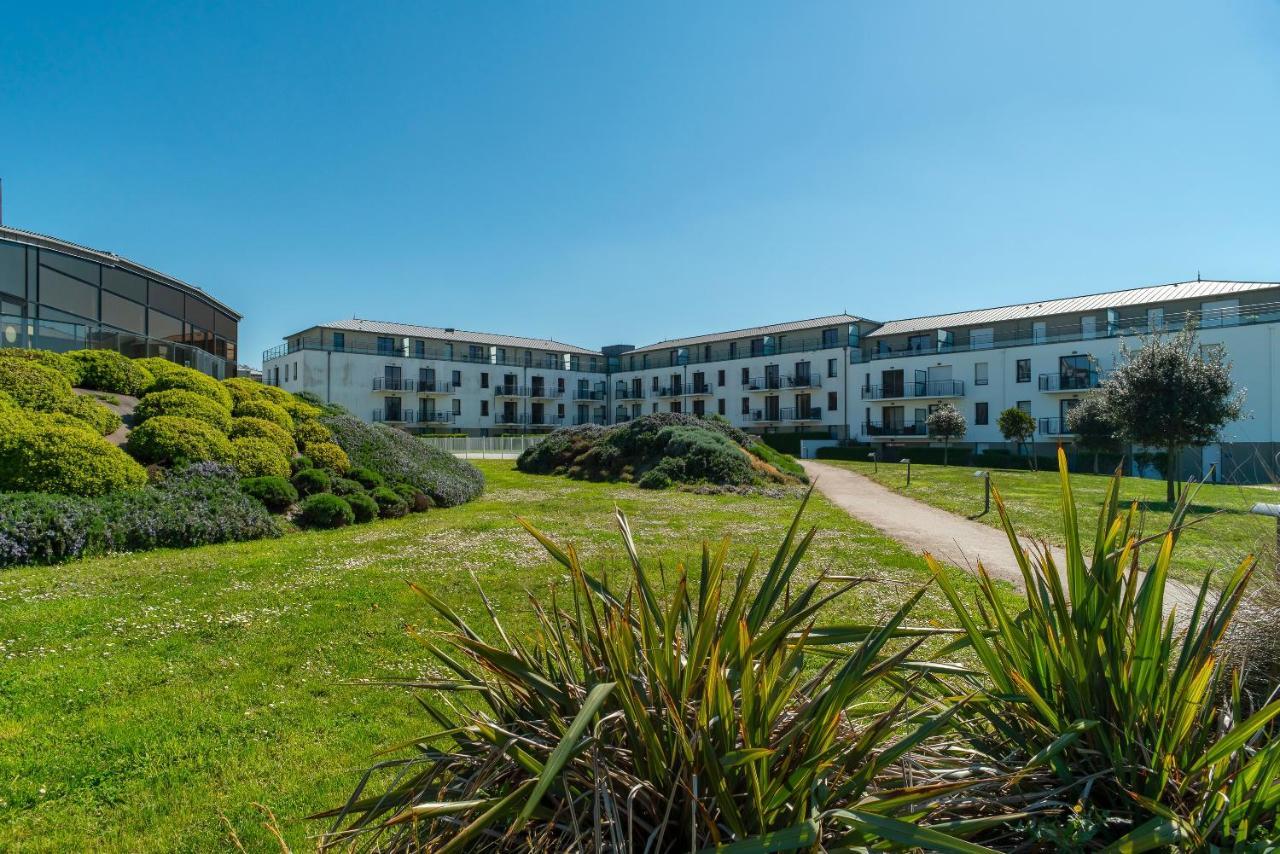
column 1017, row 425
column 1093, row 426
column 946, row 423
column 1171, row 393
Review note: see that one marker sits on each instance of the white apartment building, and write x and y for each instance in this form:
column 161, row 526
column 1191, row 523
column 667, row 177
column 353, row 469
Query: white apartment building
column 842, row 375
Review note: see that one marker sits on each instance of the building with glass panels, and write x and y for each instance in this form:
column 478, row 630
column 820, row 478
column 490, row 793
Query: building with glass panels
column 57, row 295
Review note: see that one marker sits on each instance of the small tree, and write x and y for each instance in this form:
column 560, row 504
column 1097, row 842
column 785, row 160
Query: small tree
column 1093, row 426
column 1171, row 394
column 1017, row 425
column 946, row 423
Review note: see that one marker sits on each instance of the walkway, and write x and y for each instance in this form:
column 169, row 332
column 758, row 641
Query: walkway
column 948, row 537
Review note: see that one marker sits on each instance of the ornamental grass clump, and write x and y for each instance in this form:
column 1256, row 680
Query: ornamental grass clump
column 706, row 710
column 1114, row 707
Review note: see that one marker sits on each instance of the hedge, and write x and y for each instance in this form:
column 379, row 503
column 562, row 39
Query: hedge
column 42, row 455
column 789, row 443
column 325, row 511
column 170, row 439
column 103, row 420
column 254, row 457
column 189, row 379
column 266, row 411
column 33, row 385
column 276, row 493
column 107, row 370
column 183, row 404
column 58, row 361
column 260, row 428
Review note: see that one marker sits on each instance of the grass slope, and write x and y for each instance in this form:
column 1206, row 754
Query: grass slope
column 148, row 701
column 1032, row 499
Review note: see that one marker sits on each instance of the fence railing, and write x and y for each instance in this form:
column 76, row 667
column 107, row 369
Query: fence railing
column 484, row 447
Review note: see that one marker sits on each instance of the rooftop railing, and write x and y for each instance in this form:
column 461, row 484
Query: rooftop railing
column 550, row 363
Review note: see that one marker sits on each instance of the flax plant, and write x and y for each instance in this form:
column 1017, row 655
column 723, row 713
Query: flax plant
column 1115, row 701
column 664, row 715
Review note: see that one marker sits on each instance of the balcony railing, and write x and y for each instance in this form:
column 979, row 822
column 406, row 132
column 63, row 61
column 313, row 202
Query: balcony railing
column 599, row 420
column 764, row 416
column 921, row 388
column 764, row 384
column 698, row 389
column 434, row 417
column 1054, row 427
column 768, row 383
column 584, row 394
column 805, row 381
column 894, row 428
column 393, row 384
column 404, row 416
column 626, row 393
column 527, row 419
column 796, row 413
column 546, row 392
column 1069, row 382
column 511, row 391
column 437, row 387
column 674, row 390
column 586, row 364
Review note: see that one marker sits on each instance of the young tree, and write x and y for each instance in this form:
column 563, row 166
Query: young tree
column 946, row 423
column 1171, row 394
column 1093, row 426
column 1017, row 425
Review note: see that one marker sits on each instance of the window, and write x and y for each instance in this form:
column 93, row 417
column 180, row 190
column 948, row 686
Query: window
column 757, row 346
column 67, row 294
column 1155, row 319
column 829, row 338
column 457, row 406
column 655, row 408
column 720, row 378
column 295, row 371
column 475, row 353
column 982, row 339
column 720, row 406
column 746, row 406
column 484, row 408
column 746, row 377
column 919, row 343
column 980, row 416
column 420, row 349
column 1024, row 405
column 1023, row 370
column 456, row 379
column 164, row 298
column 832, row 402
column 385, row 346
column 980, row 373
column 655, row 386
column 699, row 407
column 339, row 340
column 831, row 367
column 1039, row 333
column 160, row 325
column 560, row 384
column 733, row 349
column 484, row 379
column 123, row 314
column 124, row 284
column 560, row 410
column 1089, row 327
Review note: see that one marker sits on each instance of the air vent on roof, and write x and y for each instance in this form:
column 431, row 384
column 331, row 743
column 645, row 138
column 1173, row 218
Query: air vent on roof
column 450, row 329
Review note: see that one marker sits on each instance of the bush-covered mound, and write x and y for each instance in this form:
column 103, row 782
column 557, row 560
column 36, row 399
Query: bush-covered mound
column 172, row 440
column 183, row 404
column 107, row 370
column 243, row 390
column 61, row 454
column 189, row 379
column 400, row 458
column 58, row 361
column 660, row 450
column 33, row 385
column 102, row 419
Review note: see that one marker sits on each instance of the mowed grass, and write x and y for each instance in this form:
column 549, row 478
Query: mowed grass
column 149, row 702
column 1033, row 500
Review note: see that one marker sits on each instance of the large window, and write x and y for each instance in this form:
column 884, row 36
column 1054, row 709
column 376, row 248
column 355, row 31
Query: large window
column 165, row 298
column 124, row 284
column 123, row 314
column 13, row 270
column 161, row 325
column 1023, row 371
column 980, row 410
column 67, row 294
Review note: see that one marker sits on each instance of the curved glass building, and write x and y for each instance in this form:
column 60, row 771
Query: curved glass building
column 56, row 295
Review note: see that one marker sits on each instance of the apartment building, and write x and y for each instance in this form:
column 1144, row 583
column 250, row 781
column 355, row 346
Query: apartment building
column 842, row 375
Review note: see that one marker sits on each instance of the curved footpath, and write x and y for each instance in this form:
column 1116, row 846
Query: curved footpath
column 950, row 538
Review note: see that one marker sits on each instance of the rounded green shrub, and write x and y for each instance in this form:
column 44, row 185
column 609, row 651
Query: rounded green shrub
column 654, row 479
column 368, row 478
column 325, row 511
column 58, row 361
column 33, row 385
column 158, row 366
column 43, row 455
column 390, row 505
column 243, row 390
column 416, row 500
column 343, row 486
column 328, row 456
column 103, row 420
column 276, row 493
column 310, row 432
column 184, row 404
column 169, row 439
column 189, row 379
column 301, row 411
column 260, row 428
column 107, row 370
column 254, row 457
column 312, row 481
column 364, row 507
column 266, row 411
column 300, row 462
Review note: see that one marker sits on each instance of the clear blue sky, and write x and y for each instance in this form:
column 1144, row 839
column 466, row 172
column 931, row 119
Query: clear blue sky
column 602, row 174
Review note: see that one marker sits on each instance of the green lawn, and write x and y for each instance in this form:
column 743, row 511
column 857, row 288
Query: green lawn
column 1033, row 499
column 148, row 702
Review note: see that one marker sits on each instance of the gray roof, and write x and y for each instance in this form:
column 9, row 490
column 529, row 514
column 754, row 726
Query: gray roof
column 1069, row 305
column 111, row 259
column 411, row 330
column 772, row 329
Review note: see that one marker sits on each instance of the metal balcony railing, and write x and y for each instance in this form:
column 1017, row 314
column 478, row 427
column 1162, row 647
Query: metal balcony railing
column 920, row 388
column 764, row 384
column 1054, row 427
column 764, row 416
column 404, row 416
column 437, row 387
column 698, row 388
column 544, row 392
column 584, row 394
column 673, row 390
column 895, row 428
column 1069, row 381
column 393, row 384
column 511, row 391
column 804, row 381
column 795, row 413
column 599, row 419
column 628, row 393
column 435, row 417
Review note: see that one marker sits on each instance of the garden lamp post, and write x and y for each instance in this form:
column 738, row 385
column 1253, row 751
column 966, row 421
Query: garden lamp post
column 1269, row 510
column 986, row 490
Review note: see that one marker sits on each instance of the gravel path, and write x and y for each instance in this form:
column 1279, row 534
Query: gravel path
column 948, row 537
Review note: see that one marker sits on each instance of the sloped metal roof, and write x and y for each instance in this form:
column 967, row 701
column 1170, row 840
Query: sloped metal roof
column 111, row 259
column 1069, row 305
column 772, row 329
column 411, row 330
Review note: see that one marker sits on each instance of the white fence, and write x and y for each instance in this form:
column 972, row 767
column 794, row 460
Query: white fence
column 485, row 447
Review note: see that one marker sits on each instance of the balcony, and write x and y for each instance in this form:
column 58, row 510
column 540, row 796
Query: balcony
column 801, row 414
column 921, row 388
column 764, row 384
column 393, row 384
column 539, row 392
column 1058, row 383
column 436, row 387
column 511, row 391
column 624, row 393
column 426, row 416
column 584, row 394
column 526, row 419
column 699, row 389
column 804, row 381
column 764, row 416
column 404, row 416
column 895, row 429
column 1054, row 427
column 673, row 391
column 582, row 422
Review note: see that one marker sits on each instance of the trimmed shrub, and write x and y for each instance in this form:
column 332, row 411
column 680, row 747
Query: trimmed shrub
column 104, row 421
column 276, row 493
column 328, row 456
column 368, row 478
column 364, row 508
column 254, row 457
column 189, row 379
column 300, row 462
column 325, row 511
column 343, row 486
column 107, row 370
column 266, row 411
column 301, row 411
column 654, row 479
column 312, row 481
column 415, row 499
column 243, row 390
column 260, row 428
column 43, row 455
column 390, row 505
column 183, row 404
column 33, row 385
column 170, row 439
column 397, row 456
column 158, row 367
column 309, row 432
column 58, row 361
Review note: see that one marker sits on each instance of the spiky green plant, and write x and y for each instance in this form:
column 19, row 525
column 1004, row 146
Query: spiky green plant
column 1098, row 684
column 665, row 717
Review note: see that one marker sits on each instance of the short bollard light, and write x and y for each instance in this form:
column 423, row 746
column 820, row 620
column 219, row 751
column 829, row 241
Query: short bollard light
column 875, row 461
column 908, row 462
column 1269, row 510
column 986, row 490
